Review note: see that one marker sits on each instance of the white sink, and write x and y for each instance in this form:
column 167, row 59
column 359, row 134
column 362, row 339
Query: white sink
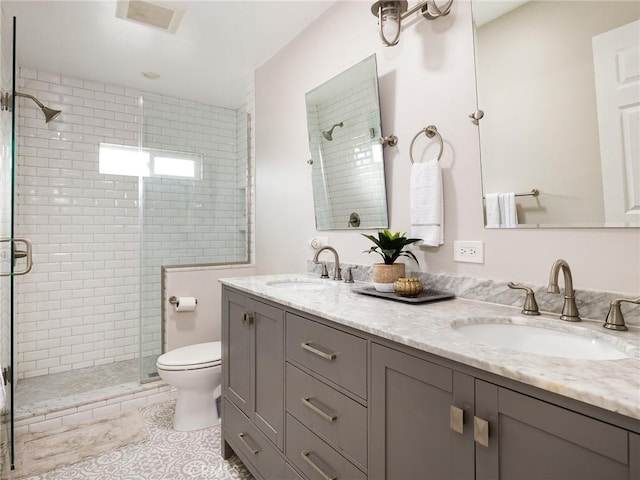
column 300, row 284
column 578, row 343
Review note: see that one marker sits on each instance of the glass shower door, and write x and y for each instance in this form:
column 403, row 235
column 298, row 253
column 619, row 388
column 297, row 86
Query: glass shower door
column 7, row 245
column 15, row 253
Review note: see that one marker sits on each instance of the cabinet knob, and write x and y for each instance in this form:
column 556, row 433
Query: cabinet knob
column 481, row 431
column 247, row 318
column 456, row 419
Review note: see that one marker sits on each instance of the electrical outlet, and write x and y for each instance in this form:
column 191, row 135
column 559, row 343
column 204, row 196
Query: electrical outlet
column 468, row 251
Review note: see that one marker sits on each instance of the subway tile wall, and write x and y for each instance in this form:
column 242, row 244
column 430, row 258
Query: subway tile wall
column 80, row 306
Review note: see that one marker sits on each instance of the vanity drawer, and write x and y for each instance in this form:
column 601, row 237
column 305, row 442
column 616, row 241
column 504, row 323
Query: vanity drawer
column 250, row 445
column 334, row 416
column 315, row 458
column 335, row 355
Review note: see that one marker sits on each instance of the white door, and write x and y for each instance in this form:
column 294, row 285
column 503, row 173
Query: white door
column 616, row 58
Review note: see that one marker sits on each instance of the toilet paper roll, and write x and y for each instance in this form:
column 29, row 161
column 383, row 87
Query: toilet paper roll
column 186, row 304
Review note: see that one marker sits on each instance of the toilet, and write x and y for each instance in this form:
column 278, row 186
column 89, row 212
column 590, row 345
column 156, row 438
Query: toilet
column 196, row 372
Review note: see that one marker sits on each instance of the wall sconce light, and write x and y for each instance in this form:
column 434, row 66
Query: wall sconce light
column 390, row 14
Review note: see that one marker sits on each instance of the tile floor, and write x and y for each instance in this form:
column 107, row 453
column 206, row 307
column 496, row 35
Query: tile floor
column 167, row 455
column 39, row 395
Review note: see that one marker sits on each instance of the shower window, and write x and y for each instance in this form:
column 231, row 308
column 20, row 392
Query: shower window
column 146, row 162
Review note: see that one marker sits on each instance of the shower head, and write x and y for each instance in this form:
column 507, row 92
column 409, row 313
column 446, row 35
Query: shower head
column 49, row 113
column 329, row 133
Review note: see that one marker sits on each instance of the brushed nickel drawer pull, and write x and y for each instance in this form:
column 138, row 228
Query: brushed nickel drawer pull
column 320, row 353
column 247, row 318
column 305, row 457
column 249, row 447
column 481, row 431
column 326, row 416
column 456, row 419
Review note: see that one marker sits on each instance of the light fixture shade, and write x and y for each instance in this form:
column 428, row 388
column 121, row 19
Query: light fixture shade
column 389, row 15
column 391, row 12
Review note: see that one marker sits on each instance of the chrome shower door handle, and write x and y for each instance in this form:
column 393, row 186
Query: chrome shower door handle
column 16, row 254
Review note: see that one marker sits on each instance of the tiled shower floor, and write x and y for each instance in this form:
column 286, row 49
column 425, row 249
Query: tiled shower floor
column 57, row 391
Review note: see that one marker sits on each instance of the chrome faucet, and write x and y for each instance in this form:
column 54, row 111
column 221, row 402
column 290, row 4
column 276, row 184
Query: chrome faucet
column 336, row 270
column 569, row 308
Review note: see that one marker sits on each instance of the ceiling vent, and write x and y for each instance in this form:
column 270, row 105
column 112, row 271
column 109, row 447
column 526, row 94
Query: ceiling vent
column 157, row 14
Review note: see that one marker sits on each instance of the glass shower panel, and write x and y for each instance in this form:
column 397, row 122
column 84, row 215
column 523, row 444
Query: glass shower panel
column 193, row 209
column 7, row 128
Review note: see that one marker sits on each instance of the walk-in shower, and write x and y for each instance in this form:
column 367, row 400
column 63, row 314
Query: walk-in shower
column 169, row 189
column 122, row 184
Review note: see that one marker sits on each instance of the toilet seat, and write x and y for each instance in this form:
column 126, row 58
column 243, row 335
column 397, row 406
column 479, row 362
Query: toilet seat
column 192, row 357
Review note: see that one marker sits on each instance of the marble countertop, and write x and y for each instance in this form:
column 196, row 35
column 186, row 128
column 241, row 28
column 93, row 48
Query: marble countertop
column 610, row 384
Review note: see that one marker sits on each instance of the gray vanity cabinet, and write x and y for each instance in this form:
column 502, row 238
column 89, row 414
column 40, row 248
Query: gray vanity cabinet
column 306, row 398
column 416, row 432
column 411, row 417
column 530, row 438
column 253, row 362
column 326, row 392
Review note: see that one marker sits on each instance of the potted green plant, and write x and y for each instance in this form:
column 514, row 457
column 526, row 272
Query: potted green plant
column 390, row 246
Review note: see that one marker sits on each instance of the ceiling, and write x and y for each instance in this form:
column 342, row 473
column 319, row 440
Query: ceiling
column 485, row 11
column 217, row 45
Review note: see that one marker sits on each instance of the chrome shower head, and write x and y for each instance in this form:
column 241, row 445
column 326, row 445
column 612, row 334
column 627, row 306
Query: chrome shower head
column 49, row 113
column 329, row 133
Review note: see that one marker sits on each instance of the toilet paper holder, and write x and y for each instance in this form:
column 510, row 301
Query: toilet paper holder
column 173, row 300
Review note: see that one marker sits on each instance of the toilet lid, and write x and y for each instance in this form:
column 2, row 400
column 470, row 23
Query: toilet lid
column 200, row 355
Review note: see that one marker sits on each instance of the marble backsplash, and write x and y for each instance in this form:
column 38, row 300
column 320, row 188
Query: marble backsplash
column 592, row 304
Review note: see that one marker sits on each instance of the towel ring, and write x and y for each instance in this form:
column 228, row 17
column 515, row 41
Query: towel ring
column 429, row 131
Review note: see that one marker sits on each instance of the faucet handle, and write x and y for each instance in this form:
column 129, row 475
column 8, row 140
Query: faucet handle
column 337, row 273
column 615, row 319
column 530, row 304
column 349, row 276
column 325, row 271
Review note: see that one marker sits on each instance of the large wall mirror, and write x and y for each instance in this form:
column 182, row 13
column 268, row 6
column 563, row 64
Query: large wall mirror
column 343, row 118
column 559, row 82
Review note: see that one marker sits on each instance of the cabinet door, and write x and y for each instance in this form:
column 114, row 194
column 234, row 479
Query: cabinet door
column 268, row 404
column 411, row 435
column 532, row 439
column 237, row 352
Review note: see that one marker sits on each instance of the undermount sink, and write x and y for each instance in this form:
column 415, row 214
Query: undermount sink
column 299, row 284
column 580, row 343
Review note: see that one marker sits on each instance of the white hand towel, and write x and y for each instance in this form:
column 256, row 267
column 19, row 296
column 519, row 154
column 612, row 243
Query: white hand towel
column 508, row 212
column 492, row 206
column 426, row 203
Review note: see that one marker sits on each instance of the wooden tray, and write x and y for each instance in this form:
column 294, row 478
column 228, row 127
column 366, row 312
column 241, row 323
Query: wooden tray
column 423, row 297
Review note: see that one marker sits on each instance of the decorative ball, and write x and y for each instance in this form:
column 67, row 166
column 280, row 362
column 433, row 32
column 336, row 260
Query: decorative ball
column 408, row 286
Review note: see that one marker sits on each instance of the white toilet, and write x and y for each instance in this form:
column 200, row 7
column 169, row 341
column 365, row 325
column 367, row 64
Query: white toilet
column 195, row 371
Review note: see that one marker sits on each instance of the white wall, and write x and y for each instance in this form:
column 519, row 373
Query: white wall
column 427, row 79
column 204, row 324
